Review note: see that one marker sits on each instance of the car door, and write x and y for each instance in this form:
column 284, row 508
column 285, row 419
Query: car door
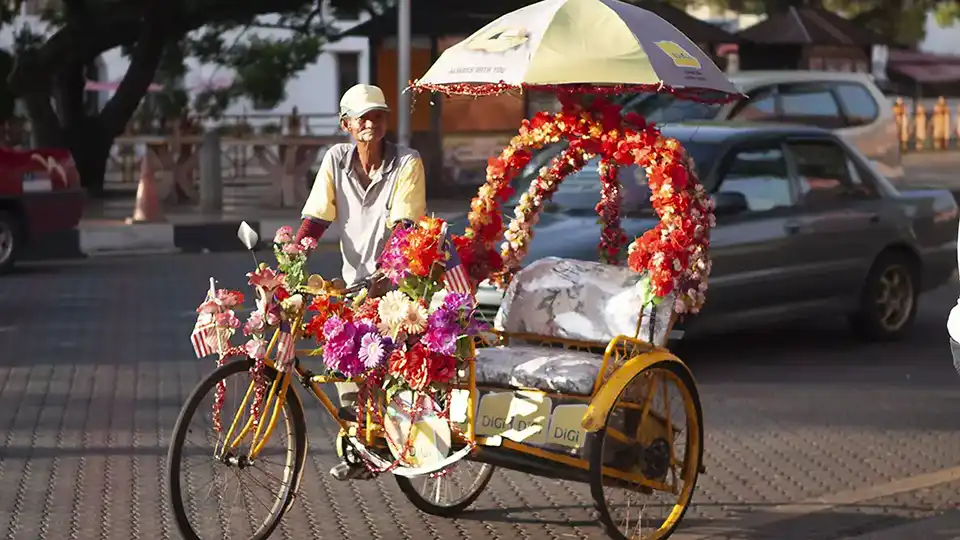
column 841, row 224
column 753, row 257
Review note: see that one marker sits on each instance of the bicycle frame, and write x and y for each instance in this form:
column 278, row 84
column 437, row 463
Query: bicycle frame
column 277, row 396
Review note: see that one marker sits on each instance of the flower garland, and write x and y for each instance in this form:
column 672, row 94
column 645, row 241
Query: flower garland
column 567, row 91
column 277, row 305
column 672, row 256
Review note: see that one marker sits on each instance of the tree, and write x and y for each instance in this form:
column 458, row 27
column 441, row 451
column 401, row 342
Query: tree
column 49, row 72
column 901, row 20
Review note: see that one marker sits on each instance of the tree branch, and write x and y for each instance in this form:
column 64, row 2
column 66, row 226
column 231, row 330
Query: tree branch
column 143, row 66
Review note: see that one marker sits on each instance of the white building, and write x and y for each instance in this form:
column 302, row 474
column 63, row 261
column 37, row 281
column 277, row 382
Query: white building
column 316, row 91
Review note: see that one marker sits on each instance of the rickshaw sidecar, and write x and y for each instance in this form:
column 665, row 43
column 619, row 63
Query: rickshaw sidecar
column 571, row 386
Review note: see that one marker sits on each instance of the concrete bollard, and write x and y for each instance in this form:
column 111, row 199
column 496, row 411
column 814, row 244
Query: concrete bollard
column 211, row 177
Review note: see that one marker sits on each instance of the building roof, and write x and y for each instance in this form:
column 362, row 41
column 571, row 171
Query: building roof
column 435, row 18
column 810, row 26
column 924, row 68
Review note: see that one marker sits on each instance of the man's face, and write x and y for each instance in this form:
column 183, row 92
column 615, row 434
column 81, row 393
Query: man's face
column 370, row 127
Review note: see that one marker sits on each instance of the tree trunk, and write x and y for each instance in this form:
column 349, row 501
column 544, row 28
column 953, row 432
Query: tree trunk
column 90, row 146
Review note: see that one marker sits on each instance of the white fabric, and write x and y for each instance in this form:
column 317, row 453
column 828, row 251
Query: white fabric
column 564, row 298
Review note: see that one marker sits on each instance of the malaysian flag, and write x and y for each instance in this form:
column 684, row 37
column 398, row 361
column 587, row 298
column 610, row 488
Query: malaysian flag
column 286, row 348
column 205, row 329
column 455, row 273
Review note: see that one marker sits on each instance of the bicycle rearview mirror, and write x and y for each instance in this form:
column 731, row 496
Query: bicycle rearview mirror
column 248, row 236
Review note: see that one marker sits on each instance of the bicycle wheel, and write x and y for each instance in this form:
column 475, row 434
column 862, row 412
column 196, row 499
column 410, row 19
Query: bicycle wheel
column 445, row 493
column 200, row 482
column 665, row 446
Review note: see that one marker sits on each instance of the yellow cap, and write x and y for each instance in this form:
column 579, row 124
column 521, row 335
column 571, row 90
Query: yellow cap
column 361, row 99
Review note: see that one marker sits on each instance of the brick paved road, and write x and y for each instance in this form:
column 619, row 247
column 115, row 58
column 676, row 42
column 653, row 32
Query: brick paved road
column 809, row 434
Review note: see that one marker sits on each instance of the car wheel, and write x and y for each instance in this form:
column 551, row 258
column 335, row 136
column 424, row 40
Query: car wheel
column 10, row 239
column 889, row 301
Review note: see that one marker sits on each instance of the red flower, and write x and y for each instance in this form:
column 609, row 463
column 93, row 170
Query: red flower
column 442, row 368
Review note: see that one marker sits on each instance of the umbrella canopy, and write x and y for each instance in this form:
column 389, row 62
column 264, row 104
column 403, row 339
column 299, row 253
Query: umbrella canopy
column 585, row 43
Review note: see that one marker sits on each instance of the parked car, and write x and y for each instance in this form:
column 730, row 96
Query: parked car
column 40, row 194
column 850, row 104
column 806, row 225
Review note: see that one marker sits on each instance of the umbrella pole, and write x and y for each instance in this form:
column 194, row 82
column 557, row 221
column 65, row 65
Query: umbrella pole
column 403, row 72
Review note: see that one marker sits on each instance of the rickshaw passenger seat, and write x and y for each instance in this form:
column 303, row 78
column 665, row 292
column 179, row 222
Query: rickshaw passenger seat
column 555, row 299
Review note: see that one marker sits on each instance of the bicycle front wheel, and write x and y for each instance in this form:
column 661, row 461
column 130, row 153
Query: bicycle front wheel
column 215, row 490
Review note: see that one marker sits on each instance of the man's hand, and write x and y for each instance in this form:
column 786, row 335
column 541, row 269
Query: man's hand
column 379, row 285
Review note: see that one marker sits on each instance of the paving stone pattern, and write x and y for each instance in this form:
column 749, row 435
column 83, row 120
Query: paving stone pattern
column 95, row 364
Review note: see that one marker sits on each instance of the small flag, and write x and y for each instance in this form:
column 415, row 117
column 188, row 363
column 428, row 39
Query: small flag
column 203, row 334
column 286, row 348
column 455, row 274
column 205, row 329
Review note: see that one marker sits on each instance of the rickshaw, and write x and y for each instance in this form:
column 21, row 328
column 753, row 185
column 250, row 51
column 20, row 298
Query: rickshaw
column 573, row 381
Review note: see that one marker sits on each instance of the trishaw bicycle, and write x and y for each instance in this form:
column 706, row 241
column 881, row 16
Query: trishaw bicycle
column 620, row 433
column 573, row 382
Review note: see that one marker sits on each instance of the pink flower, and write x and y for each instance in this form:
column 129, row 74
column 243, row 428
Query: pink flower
column 308, row 242
column 228, row 320
column 255, row 324
column 293, row 249
column 256, row 348
column 273, row 314
column 229, row 298
column 266, row 278
column 210, row 306
column 284, row 235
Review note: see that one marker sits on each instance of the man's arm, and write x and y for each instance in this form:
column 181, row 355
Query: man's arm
column 321, row 207
column 410, row 197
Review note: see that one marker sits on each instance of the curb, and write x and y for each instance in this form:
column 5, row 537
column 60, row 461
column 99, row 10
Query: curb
column 98, row 240
column 112, row 239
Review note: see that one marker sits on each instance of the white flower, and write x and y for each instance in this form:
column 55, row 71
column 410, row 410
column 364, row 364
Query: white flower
column 415, row 320
column 393, row 309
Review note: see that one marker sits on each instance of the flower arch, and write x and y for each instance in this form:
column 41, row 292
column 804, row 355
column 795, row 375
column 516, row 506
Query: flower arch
column 672, row 256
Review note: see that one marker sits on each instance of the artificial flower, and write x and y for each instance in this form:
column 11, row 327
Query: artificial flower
column 293, row 249
column 265, row 278
column 372, row 349
column 393, row 308
column 284, row 235
column 256, row 348
column 308, row 242
column 228, row 298
column 255, row 324
column 415, row 319
column 228, row 319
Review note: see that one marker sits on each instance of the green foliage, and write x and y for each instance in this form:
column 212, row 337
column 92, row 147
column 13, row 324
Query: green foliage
column 902, row 20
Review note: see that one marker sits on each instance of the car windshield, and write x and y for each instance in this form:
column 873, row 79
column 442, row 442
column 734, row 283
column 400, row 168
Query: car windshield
column 579, row 192
column 663, row 108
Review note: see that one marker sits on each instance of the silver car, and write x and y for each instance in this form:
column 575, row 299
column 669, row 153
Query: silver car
column 849, row 104
column 806, row 226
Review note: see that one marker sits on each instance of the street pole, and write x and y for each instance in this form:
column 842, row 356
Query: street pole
column 403, row 72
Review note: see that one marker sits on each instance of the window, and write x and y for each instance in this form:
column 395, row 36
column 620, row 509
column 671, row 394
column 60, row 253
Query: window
column 760, row 106
column 858, row 104
column 760, row 174
column 348, row 72
column 825, row 172
column 810, row 104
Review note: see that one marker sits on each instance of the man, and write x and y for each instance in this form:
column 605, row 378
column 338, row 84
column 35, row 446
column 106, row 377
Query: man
column 365, row 188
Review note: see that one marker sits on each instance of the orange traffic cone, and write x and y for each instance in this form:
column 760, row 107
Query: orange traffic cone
column 147, row 207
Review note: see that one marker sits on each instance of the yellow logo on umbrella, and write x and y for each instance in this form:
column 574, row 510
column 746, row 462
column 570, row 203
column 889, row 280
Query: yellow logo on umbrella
column 678, row 54
column 499, row 40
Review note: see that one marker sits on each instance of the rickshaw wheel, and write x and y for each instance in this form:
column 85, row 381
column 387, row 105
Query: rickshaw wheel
column 427, row 492
column 656, row 460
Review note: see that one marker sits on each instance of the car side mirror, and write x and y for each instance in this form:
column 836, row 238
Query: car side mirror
column 728, row 203
column 248, row 236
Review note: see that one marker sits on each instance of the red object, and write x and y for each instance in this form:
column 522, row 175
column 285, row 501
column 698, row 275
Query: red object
column 312, row 228
column 43, row 187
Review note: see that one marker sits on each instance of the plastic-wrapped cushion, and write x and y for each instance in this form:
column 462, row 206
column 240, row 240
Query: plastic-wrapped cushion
column 567, row 299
